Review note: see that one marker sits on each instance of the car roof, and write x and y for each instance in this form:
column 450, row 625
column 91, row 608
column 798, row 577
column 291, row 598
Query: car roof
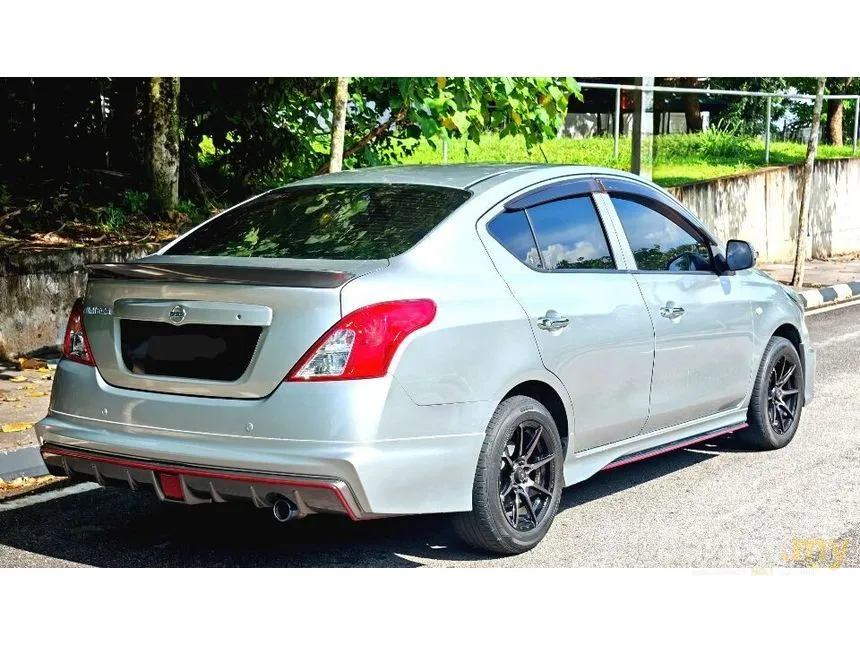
column 467, row 176
column 481, row 177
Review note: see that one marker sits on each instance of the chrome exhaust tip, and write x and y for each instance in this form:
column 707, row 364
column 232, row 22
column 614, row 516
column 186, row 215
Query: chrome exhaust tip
column 284, row 510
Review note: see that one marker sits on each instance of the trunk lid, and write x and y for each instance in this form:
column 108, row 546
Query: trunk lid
column 217, row 327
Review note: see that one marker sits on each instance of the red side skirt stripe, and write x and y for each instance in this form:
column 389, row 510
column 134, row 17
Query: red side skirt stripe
column 660, row 450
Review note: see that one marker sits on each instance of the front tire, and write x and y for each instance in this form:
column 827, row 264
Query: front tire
column 777, row 398
column 518, row 482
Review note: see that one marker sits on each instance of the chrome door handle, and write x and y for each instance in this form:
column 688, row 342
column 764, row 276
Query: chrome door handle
column 552, row 324
column 671, row 312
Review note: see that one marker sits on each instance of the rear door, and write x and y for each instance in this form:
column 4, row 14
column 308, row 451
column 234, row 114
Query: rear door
column 703, row 324
column 561, row 261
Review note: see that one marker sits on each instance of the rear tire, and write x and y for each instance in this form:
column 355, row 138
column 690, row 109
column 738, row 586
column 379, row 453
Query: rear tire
column 518, row 482
column 777, row 397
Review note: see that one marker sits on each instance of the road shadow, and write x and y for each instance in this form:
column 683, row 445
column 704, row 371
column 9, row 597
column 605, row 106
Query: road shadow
column 119, row 528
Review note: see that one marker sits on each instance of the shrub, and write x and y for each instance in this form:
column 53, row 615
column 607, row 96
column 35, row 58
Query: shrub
column 194, row 212
column 112, row 218
column 669, row 147
column 722, row 141
column 135, row 201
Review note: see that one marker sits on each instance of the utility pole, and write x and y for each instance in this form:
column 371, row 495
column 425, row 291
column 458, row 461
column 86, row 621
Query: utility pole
column 642, row 157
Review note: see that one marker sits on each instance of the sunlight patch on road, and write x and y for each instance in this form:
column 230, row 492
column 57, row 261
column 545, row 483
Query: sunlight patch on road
column 835, row 340
column 38, row 498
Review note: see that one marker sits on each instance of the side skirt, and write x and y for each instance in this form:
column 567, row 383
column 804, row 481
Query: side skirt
column 669, row 447
column 580, row 466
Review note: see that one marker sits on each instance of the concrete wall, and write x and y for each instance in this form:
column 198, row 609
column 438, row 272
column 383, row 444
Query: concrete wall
column 762, row 207
column 37, row 290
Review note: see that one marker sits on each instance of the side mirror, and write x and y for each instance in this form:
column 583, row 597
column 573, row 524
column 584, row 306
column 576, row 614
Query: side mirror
column 740, row 255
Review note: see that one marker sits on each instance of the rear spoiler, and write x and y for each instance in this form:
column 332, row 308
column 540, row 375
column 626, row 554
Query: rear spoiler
column 220, row 274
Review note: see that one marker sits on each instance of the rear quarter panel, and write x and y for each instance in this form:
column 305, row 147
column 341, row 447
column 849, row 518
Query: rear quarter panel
column 478, row 342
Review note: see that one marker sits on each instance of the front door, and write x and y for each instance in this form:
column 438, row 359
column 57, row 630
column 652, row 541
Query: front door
column 703, row 327
column 590, row 322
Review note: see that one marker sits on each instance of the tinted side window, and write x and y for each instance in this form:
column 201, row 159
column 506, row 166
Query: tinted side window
column 658, row 243
column 512, row 231
column 570, row 235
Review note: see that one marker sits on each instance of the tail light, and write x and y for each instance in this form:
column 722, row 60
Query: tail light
column 363, row 343
column 76, row 346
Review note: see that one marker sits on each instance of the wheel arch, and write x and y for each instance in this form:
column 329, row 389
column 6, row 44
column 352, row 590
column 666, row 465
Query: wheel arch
column 792, row 335
column 550, row 398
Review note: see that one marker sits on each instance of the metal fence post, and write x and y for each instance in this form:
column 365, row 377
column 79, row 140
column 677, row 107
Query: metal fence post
column 444, row 151
column 767, row 133
column 618, row 121
column 856, row 114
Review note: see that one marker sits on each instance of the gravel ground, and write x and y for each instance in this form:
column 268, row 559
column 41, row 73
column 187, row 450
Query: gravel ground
column 716, row 505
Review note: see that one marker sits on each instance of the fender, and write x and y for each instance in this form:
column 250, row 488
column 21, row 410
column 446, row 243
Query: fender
column 546, row 377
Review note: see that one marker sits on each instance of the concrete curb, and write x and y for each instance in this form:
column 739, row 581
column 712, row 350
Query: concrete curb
column 834, row 294
column 21, row 462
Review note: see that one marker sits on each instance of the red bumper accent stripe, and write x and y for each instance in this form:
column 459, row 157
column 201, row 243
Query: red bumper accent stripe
column 200, row 472
column 661, row 450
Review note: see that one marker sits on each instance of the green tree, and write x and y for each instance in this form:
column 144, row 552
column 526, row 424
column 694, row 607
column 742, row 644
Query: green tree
column 76, row 146
column 746, row 114
column 390, row 114
column 271, row 131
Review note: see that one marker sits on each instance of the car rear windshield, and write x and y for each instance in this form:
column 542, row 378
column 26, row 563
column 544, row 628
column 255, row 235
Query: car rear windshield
column 326, row 221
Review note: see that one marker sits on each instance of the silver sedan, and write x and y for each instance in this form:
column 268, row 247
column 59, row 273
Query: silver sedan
column 452, row 339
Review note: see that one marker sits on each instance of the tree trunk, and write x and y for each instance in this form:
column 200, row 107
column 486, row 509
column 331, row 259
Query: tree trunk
column 835, row 112
column 659, row 107
column 806, row 194
column 370, row 136
column 338, row 124
column 164, row 143
column 834, row 122
column 692, row 111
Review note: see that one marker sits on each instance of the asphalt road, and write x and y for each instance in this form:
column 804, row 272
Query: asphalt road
column 717, row 505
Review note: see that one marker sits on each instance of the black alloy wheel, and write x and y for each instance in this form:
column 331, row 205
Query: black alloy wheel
column 783, row 395
column 518, row 480
column 527, row 476
column 777, row 397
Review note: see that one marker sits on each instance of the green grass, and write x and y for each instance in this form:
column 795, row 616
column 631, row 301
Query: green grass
column 679, row 158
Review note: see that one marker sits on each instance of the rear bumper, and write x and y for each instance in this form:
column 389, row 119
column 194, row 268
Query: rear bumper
column 366, row 439
column 199, row 485
column 370, row 479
